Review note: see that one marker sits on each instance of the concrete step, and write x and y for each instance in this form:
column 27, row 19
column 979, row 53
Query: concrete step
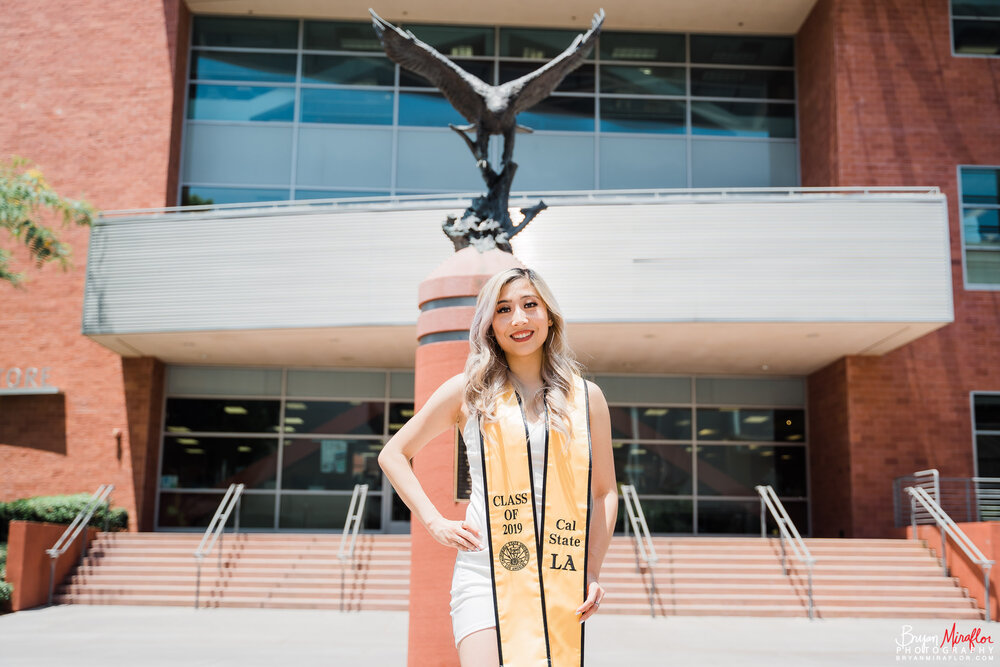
column 258, row 602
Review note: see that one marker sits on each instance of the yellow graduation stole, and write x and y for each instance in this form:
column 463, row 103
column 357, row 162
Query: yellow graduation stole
column 538, row 581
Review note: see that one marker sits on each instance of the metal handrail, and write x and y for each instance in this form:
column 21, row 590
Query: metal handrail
column 352, row 523
column 643, row 540
column 789, row 533
column 216, row 529
column 949, row 527
column 80, row 521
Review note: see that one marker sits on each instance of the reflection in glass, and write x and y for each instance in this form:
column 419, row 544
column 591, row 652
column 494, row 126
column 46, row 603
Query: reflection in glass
column 987, row 411
column 237, row 66
column 340, row 36
column 338, row 417
column 982, row 226
column 742, row 50
column 363, row 107
column 734, row 470
column 646, row 46
column 642, row 115
column 230, row 415
column 980, row 186
column 735, row 517
column 662, row 515
column 718, row 82
column 195, row 510
column 257, row 103
column 307, row 511
column 976, row 38
column 330, row 464
column 760, row 425
column 196, row 195
column 561, row 113
column 580, row 80
column 642, row 80
column 743, row 119
column 199, row 462
column 651, row 423
column 251, row 33
column 427, row 110
column 478, row 68
column 347, row 70
column 654, row 469
column 533, row 43
column 399, row 414
column 456, row 41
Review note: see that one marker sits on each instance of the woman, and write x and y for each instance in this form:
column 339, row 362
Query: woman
column 521, row 391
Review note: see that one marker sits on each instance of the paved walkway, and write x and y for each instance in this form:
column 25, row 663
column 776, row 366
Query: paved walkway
column 110, row 636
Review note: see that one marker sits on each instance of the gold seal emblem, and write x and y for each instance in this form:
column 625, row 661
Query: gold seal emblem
column 514, row 555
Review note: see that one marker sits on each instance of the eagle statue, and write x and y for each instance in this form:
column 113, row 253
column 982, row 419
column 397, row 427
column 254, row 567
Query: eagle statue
column 489, row 110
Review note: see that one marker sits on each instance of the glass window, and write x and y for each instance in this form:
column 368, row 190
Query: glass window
column 311, row 511
column 642, row 115
column 734, row 470
column 580, row 80
column 651, row 423
column 241, row 103
column 719, row 82
column 401, row 384
column 534, row 43
column 340, row 36
column 195, row 510
column 749, row 391
column 734, row 517
column 359, row 158
column 478, row 68
column 336, row 384
column 986, row 408
column 986, row 431
column 399, row 414
column 199, row 462
column 248, row 33
column 238, row 66
column 257, row 155
column 348, row 70
column 337, row 194
column 654, row 469
column 743, row 119
column 201, row 196
column 642, row 80
column 427, row 110
column 664, row 516
column 976, row 38
column 981, row 225
column 560, row 113
column 975, row 8
column 644, row 46
column 330, row 464
column 748, row 424
column 988, row 454
column 456, row 41
column 721, row 163
column 644, row 388
column 641, row 161
column 742, row 50
column 221, row 380
column 361, row 107
column 347, row 417
column 221, row 415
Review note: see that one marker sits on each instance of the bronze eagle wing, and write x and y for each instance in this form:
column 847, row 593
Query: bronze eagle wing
column 530, row 89
column 466, row 92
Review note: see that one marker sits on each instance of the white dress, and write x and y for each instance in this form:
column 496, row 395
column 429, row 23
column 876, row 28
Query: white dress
column 471, row 585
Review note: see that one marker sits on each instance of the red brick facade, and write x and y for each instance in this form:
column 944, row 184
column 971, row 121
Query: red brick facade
column 90, row 96
column 901, row 110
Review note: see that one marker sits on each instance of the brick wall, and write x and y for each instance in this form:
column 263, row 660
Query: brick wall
column 90, row 97
column 905, row 112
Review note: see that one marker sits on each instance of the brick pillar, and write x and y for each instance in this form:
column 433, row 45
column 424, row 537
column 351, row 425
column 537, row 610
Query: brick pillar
column 447, row 300
column 143, row 378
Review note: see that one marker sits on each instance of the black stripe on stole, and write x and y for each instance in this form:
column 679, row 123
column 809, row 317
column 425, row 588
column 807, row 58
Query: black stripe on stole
column 590, row 503
column 489, row 540
column 537, row 527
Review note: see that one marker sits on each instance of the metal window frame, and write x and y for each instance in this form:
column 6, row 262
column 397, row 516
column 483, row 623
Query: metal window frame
column 496, row 59
column 966, row 285
column 978, row 431
column 952, row 17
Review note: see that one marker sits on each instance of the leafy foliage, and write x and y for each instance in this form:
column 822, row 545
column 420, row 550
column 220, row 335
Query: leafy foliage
column 5, row 588
column 24, row 194
column 59, row 509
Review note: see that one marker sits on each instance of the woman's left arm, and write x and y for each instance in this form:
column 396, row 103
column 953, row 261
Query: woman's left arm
column 605, row 492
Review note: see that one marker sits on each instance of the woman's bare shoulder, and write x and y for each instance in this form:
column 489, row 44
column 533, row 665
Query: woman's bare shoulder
column 451, row 396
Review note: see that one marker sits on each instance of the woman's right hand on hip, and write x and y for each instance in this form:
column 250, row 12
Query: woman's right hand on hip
column 458, row 534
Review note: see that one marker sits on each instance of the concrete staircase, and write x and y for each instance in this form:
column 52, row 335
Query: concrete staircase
column 742, row 577
column 694, row 576
column 258, row 570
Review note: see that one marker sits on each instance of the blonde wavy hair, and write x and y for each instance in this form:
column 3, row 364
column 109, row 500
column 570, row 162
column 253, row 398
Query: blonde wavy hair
column 486, row 372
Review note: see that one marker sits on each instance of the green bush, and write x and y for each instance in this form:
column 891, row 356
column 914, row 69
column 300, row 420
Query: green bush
column 5, row 588
column 59, row 509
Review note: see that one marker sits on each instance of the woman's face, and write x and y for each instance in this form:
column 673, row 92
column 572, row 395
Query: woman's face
column 520, row 319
